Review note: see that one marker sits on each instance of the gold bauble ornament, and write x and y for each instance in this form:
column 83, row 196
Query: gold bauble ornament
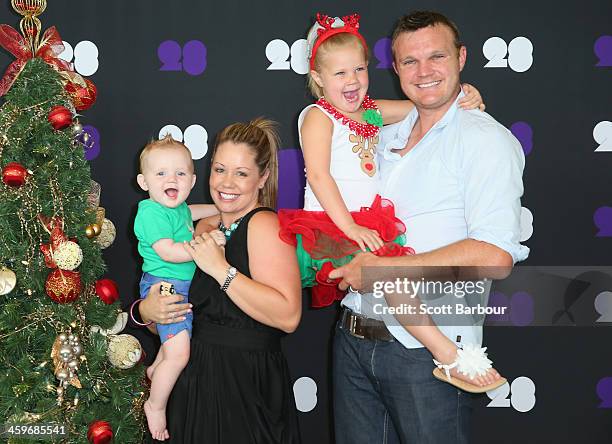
column 61, row 374
column 92, row 230
column 8, row 280
column 124, row 351
column 68, row 256
column 107, row 235
column 61, row 348
column 65, row 353
column 73, row 365
column 77, row 350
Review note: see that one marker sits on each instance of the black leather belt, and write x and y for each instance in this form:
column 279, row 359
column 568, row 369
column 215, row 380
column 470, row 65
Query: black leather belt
column 364, row 328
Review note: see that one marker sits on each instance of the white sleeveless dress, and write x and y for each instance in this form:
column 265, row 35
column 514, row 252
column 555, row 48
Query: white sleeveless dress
column 320, row 244
column 350, row 154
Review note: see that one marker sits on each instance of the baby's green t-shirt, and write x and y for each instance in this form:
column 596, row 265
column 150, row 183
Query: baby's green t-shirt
column 154, row 222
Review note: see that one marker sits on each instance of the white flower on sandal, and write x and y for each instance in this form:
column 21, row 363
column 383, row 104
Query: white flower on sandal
column 471, row 361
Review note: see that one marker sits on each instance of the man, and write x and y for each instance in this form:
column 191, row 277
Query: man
column 455, row 178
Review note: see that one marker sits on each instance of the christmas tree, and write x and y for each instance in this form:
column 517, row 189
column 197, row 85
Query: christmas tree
column 62, row 360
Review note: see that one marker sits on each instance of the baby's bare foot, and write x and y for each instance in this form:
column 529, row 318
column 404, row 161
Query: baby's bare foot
column 156, row 420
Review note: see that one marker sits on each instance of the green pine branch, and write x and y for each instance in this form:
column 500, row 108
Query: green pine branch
column 29, row 320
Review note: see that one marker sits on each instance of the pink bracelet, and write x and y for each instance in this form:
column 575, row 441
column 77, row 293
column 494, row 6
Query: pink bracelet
column 132, row 314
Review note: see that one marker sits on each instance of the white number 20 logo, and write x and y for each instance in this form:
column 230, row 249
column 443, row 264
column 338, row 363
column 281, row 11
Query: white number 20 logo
column 195, row 138
column 522, row 395
column 519, row 51
column 282, row 57
column 85, row 56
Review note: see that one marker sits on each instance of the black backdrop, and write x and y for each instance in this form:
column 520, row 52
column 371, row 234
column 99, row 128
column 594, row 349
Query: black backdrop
column 212, row 70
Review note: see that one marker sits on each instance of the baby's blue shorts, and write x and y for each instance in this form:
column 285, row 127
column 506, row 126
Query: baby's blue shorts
column 167, row 331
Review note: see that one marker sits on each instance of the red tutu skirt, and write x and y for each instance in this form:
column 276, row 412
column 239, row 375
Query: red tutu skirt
column 321, row 246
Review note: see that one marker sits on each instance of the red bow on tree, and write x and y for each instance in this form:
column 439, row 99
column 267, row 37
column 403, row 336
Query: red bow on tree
column 49, row 49
column 55, row 227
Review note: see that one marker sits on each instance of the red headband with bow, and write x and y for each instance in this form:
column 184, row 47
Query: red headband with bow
column 351, row 25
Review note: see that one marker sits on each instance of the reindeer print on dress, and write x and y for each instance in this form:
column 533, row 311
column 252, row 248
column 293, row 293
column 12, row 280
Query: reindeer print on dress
column 366, row 154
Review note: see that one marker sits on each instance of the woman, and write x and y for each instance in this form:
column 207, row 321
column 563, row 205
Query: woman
column 246, row 296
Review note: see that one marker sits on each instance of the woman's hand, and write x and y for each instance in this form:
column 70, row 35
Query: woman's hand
column 364, row 237
column 163, row 309
column 472, row 99
column 208, row 256
column 218, row 237
column 206, row 225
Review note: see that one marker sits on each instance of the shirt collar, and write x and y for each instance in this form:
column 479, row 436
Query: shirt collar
column 407, row 124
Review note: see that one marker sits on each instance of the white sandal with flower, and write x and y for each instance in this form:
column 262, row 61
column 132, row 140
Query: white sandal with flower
column 471, row 361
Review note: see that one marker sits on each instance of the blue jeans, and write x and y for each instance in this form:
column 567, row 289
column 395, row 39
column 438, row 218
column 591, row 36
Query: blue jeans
column 386, row 393
column 168, row 331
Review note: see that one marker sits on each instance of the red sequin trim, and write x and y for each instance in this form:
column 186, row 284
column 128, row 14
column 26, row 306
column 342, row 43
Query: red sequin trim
column 366, row 130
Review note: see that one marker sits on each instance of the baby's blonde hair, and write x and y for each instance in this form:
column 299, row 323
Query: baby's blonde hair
column 166, row 142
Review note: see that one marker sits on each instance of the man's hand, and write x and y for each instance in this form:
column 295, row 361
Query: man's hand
column 351, row 272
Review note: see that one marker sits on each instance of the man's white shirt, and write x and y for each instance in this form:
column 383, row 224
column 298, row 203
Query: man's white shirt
column 462, row 180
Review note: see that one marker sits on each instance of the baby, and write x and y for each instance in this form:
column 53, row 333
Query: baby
column 163, row 223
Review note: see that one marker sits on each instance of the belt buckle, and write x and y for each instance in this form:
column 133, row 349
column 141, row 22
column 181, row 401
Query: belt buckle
column 353, row 325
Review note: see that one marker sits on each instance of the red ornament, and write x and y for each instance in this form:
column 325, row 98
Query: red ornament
column 63, row 286
column 82, row 97
column 60, row 117
column 107, row 290
column 55, row 227
column 14, row 174
column 100, row 432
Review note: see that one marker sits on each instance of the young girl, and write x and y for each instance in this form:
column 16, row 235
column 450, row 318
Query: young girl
column 339, row 136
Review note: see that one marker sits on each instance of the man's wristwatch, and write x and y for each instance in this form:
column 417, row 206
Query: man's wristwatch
column 231, row 274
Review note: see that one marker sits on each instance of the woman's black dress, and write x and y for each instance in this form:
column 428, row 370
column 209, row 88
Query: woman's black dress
column 236, row 387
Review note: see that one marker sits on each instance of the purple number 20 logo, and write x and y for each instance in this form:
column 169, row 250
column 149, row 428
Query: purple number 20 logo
column 90, row 139
column 191, row 58
column 382, row 52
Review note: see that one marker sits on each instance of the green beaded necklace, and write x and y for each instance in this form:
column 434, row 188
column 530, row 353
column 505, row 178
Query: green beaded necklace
column 227, row 231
